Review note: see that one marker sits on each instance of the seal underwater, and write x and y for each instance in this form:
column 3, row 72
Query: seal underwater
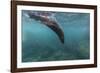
column 52, row 24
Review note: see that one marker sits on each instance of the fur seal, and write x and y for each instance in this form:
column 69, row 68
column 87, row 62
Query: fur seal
column 52, row 24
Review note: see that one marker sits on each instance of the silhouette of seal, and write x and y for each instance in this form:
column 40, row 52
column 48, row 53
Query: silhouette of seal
column 52, row 24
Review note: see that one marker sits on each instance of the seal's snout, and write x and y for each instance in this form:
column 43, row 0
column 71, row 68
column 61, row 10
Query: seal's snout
column 61, row 36
column 62, row 39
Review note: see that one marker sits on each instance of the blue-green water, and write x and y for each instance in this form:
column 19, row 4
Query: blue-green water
column 40, row 43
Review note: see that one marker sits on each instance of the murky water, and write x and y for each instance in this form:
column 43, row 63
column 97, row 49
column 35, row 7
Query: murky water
column 40, row 43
